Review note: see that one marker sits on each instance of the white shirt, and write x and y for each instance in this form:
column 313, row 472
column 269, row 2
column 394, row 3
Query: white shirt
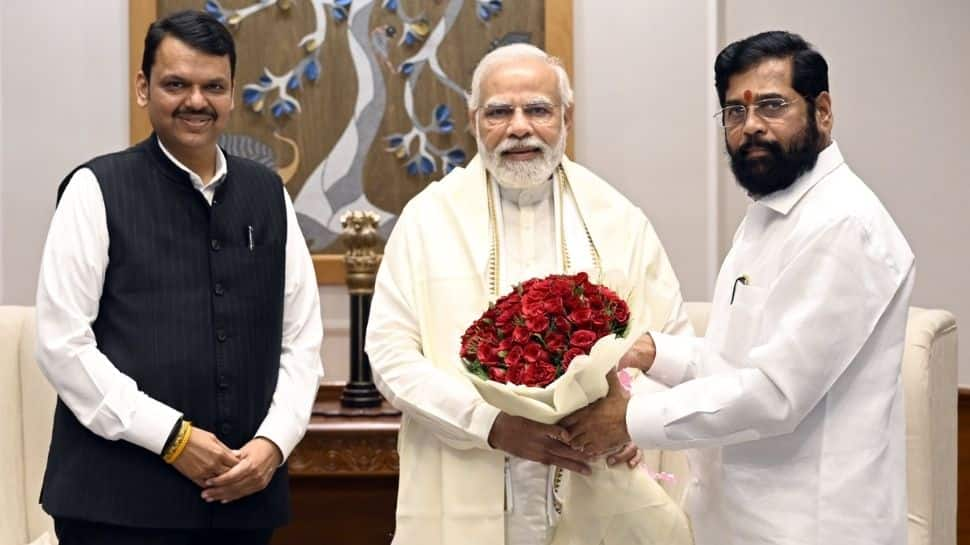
column 794, row 395
column 528, row 250
column 105, row 400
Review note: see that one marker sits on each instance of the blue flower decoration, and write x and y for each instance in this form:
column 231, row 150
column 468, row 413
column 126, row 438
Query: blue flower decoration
column 422, row 165
column 488, row 9
column 427, row 165
column 390, row 5
column 407, row 68
column 251, row 96
column 283, row 107
column 312, row 70
column 456, row 156
column 442, row 119
column 293, row 83
column 409, row 38
column 214, row 9
column 340, row 14
column 264, row 79
column 395, row 141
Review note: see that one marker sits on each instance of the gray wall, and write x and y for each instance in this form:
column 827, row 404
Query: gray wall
column 645, row 96
column 64, row 100
column 900, row 84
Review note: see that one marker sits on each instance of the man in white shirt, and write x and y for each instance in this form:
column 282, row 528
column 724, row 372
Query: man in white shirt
column 793, row 398
column 178, row 319
column 469, row 473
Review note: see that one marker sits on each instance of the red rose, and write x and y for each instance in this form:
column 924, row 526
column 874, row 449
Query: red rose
column 553, row 306
column 556, row 342
column 514, row 355
column 533, row 352
column 581, row 278
column 532, row 309
column 568, row 357
column 514, row 373
column 561, row 323
column 539, row 374
column 562, row 287
column 583, row 339
column 504, row 345
column 506, row 317
column 621, row 313
column 601, row 322
column 487, row 354
column 497, row 374
column 581, row 316
column 520, row 334
column 537, row 324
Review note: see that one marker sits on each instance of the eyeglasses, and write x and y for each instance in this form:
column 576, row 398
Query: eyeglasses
column 537, row 113
column 769, row 109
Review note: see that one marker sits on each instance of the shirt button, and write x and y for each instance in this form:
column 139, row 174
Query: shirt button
column 215, row 245
column 219, row 289
column 221, row 335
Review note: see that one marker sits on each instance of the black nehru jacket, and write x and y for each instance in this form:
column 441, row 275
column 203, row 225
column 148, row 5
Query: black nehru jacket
column 192, row 310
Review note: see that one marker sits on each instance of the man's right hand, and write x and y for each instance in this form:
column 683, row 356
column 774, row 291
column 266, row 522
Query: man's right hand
column 204, row 457
column 538, row 442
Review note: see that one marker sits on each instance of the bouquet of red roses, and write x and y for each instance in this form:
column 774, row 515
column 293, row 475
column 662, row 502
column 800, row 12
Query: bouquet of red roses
column 544, row 351
column 531, row 335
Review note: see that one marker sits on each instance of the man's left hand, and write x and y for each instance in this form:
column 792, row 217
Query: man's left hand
column 259, row 459
column 600, row 427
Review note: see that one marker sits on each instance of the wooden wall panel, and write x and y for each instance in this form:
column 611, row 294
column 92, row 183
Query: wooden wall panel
column 963, row 468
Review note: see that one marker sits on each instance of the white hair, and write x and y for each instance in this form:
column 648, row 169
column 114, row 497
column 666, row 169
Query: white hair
column 518, row 51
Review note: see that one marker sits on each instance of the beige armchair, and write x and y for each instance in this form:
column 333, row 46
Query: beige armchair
column 930, row 384
column 26, row 414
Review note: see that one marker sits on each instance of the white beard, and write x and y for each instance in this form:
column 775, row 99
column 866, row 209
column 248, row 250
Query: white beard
column 522, row 174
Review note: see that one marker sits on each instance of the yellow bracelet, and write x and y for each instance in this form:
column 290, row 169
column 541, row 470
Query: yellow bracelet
column 178, row 446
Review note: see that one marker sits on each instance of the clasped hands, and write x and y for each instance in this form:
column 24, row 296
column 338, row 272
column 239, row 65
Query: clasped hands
column 595, row 430
column 225, row 474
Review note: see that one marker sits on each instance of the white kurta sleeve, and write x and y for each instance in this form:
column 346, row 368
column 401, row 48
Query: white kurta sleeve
column 104, row 400
column 300, row 366
column 819, row 312
column 410, row 382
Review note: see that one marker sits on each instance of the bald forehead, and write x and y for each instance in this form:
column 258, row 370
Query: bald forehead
column 522, row 77
column 770, row 77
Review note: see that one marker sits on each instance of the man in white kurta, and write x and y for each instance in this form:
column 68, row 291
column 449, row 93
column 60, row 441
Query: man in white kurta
column 794, row 396
column 469, row 473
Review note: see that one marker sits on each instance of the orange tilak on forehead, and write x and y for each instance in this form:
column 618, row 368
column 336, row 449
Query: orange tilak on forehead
column 747, row 96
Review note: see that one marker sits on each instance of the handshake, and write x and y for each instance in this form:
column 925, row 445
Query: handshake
column 595, row 430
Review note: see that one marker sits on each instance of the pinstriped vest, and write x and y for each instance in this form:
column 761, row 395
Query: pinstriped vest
column 192, row 311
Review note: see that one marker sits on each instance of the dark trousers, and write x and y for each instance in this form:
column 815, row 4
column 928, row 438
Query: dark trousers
column 81, row 532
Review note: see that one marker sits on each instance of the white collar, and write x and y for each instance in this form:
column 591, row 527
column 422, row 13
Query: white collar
column 783, row 200
column 218, row 177
column 527, row 196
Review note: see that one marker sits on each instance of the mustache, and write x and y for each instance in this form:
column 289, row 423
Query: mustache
column 773, row 148
column 203, row 111
column 528, row 142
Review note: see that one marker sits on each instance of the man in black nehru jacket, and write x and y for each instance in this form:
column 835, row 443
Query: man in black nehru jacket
column 178, row 319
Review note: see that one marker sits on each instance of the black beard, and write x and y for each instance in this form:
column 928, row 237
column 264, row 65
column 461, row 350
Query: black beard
column 778, row 169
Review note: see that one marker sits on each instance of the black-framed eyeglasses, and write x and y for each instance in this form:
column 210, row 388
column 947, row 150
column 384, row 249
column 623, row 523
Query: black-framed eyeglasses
column 769, row 109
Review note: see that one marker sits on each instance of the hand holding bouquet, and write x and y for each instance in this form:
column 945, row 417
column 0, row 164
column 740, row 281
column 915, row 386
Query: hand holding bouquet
column 544, row 351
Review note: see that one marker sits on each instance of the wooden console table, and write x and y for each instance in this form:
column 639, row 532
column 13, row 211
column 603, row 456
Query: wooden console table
column 343, row 477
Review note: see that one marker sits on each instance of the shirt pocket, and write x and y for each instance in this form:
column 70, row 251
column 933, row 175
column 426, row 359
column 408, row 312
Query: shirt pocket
column 743, row 322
